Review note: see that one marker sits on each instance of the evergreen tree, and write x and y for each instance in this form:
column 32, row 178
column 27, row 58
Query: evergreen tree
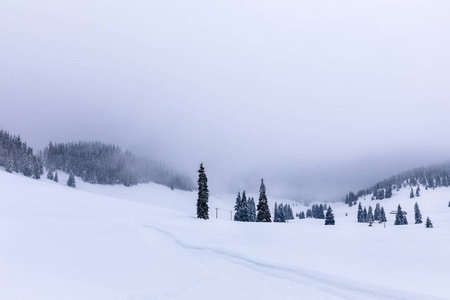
column 417, row 214
column 329, row 219
column 281, row 213
column 276, row 216
column 238, row 208
column 428, row 223
column 309, row 212
column 365, row 215
column 370, row 215
column 50, row 175
column 388, row 192
column 55, row 179
column 417, row 191
column 400, row 217
column 263, row 207
column 411, row 194
column 244, row 211
column 377, row 212
column 9, row 166
column 360, row 214
column 71, row 180
column 251, row 210
column 203, row 194
column 382, row 215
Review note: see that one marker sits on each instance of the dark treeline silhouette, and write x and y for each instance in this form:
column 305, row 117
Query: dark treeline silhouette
column 16, row 156
column 430, row 177
column 100, row 163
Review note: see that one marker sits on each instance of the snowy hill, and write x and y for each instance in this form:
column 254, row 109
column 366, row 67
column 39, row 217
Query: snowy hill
column 144, row 242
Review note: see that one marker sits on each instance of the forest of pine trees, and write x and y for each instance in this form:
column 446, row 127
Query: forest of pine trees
column 430, row 178
column 371, row 216
column 16, row 156
column 100, row 163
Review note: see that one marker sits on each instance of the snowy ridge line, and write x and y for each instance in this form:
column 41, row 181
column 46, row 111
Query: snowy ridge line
column 322, row 282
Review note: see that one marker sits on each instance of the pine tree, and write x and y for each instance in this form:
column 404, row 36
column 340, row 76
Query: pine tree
column 309, row 212
column 71, row 180
column 400, row 217
column 275, row 213
column 388, row 192
column 281, row 213
column 411, row 194
column 417, row 214
column 365, row 215
column 50, row 175
column 263, row 207
column 238, row 208
column 377, row 211
column 382, row 215
column 251, row 210
column 360, row 216
column 55, row 179
column 370, row 215
column 203, row 194
column 244, row 209
column 428, row 223
column 329, row 218
column 417, row 191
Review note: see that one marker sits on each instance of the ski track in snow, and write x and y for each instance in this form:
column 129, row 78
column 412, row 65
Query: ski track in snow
column 313, row 285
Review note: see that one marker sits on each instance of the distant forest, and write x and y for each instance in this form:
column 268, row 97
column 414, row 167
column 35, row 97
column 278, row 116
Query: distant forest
column 430, row 177
column 93, row 162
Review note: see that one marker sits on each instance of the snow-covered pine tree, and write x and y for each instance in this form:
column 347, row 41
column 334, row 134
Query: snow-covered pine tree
column 377, row 211
column 281, row 213
column 321, row 212
column 309, row 212
column 360, row 216
column 388, row 192
column 237, row 208
column 411, row 194
column 50, row 175
column 365, row 215
column 244, row 212
column 400, row 217
column 251, row 210
column 263, row 207
column 417, row 191
column 370, row 215
column 382, row 215
column 71, row 180
column 55, row 179
column 203, row 194
column 329, row 218
column 417, row 214
column 276, row 217
column 428, row 223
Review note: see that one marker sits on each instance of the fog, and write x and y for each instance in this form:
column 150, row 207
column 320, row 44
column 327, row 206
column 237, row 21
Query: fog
column 317, row 97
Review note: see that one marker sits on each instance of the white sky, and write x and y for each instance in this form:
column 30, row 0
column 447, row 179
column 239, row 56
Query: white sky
column 252, row 88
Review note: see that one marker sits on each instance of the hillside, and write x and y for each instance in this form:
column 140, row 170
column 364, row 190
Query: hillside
column 144, row 242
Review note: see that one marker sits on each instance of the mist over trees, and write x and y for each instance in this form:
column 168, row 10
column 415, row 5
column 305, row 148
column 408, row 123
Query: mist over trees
column 431, row 177
column 16, row 156
column 100, row 163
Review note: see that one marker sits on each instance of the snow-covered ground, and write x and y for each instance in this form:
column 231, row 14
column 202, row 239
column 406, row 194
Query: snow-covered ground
column 144, row 242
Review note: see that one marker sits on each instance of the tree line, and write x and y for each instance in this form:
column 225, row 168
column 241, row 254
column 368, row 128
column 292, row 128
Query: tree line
column 431, row 177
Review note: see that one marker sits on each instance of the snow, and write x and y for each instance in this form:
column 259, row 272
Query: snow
column 144, row 242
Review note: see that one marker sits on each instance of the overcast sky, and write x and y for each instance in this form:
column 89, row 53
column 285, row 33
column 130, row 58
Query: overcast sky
column 307, row 94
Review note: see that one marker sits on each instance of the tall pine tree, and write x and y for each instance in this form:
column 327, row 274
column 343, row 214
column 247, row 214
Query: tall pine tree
column 203, row 194
column 263, row 206
column 329, row 218
column 417, row 214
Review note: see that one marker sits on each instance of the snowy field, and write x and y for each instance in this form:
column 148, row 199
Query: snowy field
column 144, row 242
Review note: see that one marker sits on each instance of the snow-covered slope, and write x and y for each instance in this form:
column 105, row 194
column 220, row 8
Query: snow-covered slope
column 144, row 242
